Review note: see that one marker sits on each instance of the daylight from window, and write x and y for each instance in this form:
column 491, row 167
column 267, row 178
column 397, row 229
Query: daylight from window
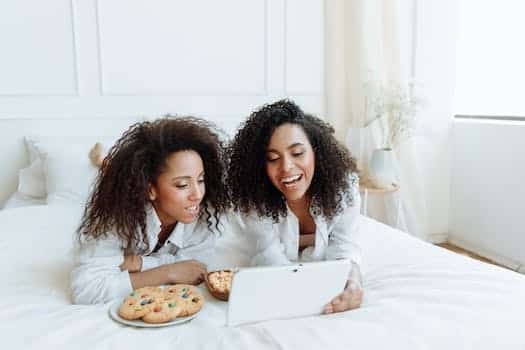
column 490, row 64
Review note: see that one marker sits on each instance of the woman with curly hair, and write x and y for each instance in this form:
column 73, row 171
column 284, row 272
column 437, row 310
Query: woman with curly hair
column 298, row 192
column 153, row 212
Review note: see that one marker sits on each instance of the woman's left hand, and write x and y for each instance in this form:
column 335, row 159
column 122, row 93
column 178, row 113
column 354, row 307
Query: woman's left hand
column 131, row 263
column 349, row 299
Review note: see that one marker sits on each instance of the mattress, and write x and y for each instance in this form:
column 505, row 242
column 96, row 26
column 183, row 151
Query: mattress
column 18, row 199
column 417, row 296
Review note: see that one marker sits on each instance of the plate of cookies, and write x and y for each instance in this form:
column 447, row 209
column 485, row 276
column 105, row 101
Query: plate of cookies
column 158, row 307
column 219, row 283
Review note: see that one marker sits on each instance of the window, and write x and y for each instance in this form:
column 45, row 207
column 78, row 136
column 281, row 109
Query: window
column 490, row 61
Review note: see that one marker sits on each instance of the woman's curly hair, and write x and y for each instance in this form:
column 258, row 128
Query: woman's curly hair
column 249, row 185
column 118, row 202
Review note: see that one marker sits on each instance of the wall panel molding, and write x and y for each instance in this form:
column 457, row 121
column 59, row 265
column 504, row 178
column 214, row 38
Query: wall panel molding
column 107, row 76
column 28, row 66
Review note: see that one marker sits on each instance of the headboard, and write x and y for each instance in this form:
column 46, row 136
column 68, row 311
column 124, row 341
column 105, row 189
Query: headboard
column 104, row 61
column 12, row 131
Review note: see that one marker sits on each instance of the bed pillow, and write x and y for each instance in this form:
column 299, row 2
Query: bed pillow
column 60, row 167
column 31, row 180
column 68, row 176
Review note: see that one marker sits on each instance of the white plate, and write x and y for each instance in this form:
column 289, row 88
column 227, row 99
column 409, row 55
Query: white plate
column 113, row 313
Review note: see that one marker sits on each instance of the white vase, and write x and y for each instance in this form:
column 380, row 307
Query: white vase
column 381, row 168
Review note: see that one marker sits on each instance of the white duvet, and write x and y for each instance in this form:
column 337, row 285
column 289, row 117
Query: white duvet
column 417, row 296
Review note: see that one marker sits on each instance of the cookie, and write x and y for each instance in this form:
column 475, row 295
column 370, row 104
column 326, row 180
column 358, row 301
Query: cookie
column 163, row 311
column 139, row 303
column 189, row 297
column 147, row 292
column 134, row 308
column 219, row 283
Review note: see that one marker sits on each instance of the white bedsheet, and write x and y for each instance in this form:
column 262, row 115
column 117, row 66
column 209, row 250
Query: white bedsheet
column 417, row 296
column 17, row 200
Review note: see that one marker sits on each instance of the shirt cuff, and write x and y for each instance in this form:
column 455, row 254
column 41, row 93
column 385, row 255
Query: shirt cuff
column 122, row 285
column 149, row 262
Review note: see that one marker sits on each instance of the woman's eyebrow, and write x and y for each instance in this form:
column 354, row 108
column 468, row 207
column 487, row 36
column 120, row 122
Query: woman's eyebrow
column 289, row 147
column 187, row 177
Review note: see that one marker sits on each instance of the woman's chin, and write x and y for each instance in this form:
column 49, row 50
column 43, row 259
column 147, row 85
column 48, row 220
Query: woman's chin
column 292, row 196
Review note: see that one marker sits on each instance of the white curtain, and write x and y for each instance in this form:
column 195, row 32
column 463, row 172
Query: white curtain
column 363, row 44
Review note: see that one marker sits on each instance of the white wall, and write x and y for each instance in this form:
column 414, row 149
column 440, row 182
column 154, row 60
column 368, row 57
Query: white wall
column 82, row 59
column 435, row 75
column 487, row 191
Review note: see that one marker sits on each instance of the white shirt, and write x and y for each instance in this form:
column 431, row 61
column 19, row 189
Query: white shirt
column 97, row 278
column 278, row 243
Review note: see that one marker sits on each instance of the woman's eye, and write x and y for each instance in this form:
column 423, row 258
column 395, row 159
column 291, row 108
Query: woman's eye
column 298, row 154
column 181, row 186
column 201, row 181
column 271, row 159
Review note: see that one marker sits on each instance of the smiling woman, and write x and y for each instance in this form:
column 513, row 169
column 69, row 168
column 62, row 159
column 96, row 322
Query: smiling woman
column 298, row 191
column 156, row 202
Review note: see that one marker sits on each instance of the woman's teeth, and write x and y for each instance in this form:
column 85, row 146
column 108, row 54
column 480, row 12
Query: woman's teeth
column 193, row 209
column 288, row 181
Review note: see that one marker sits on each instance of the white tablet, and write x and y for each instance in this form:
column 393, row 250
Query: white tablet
column 277, row 292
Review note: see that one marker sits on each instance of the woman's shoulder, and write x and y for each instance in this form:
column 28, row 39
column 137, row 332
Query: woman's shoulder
column 351, row 195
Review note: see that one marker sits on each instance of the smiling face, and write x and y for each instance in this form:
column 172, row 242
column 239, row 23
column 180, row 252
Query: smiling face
column 290, row 161
column 179, row 189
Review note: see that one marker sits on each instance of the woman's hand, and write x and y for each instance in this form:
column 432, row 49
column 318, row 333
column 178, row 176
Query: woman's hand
column 186, row 272
column 349, row 299
column 132, row 263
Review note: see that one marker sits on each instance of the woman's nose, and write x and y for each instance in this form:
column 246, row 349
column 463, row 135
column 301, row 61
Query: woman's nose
column 196, row 193
column 287, row 164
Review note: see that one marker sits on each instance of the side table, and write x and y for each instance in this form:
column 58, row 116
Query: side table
column 367, row 187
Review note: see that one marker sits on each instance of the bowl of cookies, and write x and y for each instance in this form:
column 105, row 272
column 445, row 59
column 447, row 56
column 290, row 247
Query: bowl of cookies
column 157, row 306
column 219, row 283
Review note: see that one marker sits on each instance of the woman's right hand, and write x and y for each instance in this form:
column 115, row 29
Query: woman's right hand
column 186, row 272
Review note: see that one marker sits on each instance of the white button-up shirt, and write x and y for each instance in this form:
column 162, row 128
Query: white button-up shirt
column 97, row 278
column 278, row 243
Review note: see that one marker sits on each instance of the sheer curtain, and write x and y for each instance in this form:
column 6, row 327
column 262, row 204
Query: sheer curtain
column 363, row 44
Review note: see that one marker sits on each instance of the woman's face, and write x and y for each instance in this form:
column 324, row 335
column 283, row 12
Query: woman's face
column 290, row 161
column 179, row 189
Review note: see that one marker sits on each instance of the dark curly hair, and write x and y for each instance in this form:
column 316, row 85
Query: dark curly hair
column 249, row 185
column 119, row 199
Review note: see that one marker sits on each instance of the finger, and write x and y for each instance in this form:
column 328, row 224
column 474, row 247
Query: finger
column 201, row 269
column 340, row 307
column 337, row 299
column 328, row 309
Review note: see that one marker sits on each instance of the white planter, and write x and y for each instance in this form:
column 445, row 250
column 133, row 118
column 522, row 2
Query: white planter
column 381, row 168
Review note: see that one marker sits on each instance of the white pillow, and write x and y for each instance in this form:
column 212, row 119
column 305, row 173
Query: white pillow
column 31, row 180
column 68, row 176
column 66, row 158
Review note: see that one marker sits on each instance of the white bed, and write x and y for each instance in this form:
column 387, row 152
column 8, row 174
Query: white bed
column 417, row 296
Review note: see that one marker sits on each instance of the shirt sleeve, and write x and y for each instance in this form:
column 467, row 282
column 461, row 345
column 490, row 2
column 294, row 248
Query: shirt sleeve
column 96, row 277
column 269, row 250
column 344, row 236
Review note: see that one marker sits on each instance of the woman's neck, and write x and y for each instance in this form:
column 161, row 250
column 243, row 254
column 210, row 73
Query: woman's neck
column 300, row 206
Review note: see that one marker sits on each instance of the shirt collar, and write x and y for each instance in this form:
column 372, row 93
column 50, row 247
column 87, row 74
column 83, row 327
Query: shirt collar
column 153, row 227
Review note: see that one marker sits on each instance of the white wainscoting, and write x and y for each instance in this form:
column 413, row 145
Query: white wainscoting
column 487, row 190
column 94, row 61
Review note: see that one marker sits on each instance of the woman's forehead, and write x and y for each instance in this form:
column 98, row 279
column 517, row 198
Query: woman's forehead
column 288, row 135
column 183, row 163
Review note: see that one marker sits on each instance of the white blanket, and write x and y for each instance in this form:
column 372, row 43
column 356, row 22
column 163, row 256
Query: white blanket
column 417, row 296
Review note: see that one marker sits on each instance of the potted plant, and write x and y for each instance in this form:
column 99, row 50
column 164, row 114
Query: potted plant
column 392, row 109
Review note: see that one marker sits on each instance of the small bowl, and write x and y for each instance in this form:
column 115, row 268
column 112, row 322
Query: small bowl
column 216, row 293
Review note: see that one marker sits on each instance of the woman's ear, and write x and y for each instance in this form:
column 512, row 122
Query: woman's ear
column 152, row 193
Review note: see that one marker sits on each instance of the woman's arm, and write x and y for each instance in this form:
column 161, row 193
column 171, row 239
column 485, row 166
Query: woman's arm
column 186, row 272
column 102, row 273
column 96, row 276
column 268, row 247
column 344, row 236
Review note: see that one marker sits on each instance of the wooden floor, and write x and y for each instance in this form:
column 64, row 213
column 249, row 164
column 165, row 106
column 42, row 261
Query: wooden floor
column 462, row 251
